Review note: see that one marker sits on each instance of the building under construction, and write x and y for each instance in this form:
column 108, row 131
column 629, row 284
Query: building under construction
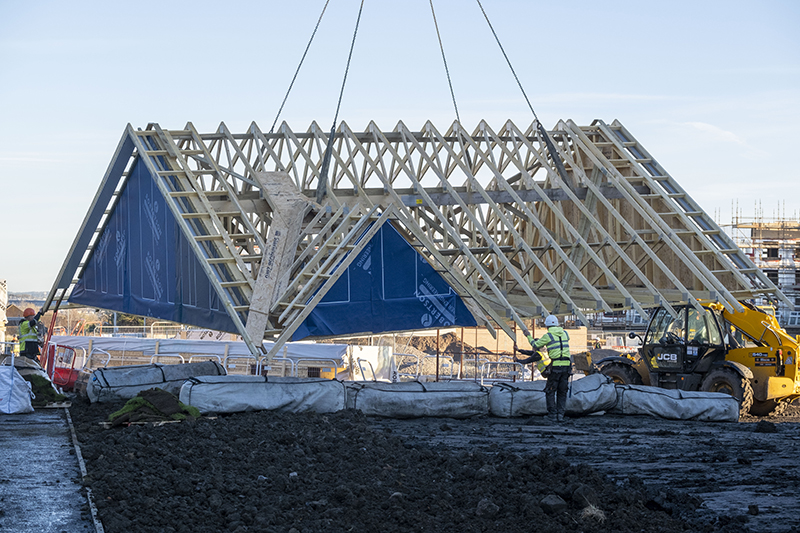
column 774, row 246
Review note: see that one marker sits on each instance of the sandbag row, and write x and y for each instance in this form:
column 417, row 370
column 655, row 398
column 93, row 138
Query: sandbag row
column 412, row 399
column 125, row 382
column 453, row 399
column 205, row 386
column 676, row 404
column 236, row 394
column 587, row 395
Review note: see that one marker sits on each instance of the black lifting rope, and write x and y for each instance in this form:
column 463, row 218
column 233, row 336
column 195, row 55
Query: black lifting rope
column 296, row 72
column 542, row 132
column 322, row 184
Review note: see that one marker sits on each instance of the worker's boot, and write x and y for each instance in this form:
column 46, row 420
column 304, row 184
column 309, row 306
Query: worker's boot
column 560, row 417
column 551, row 417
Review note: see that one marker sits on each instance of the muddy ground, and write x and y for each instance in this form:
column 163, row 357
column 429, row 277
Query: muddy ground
column 298, row 473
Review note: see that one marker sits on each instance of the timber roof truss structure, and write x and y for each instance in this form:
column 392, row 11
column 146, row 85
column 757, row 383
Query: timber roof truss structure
column 489, row 209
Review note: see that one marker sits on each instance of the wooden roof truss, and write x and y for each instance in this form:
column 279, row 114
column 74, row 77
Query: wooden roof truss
column 487, row 208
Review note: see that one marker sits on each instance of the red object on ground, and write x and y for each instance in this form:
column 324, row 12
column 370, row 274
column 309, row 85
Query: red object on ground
column 65, row 378
column 61, row 366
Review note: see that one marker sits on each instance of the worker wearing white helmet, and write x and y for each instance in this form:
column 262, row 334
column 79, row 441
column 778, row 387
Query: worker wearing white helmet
column 557, row 370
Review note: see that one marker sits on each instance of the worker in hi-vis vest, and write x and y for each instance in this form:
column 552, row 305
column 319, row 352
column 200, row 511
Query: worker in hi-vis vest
column 555, row 365
column 29, row 335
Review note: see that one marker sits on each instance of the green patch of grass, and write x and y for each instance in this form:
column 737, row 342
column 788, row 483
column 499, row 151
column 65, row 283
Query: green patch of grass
column 43, row 390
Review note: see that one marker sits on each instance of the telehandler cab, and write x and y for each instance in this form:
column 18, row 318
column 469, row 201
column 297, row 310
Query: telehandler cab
column 743, row 353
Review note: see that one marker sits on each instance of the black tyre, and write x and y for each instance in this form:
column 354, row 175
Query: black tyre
column 728, row 381
column 622, row 374
column 768, row 408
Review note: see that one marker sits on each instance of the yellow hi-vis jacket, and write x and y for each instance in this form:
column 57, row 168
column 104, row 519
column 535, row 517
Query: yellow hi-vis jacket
column 557, row 343
column 27, row 333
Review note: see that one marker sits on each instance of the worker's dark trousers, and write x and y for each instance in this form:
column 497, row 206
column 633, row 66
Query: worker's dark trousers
column 556, row 391
column 31, row 351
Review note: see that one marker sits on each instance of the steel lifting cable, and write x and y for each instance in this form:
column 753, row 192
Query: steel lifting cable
column 450, row 84
column 296, row 72
column 548, row 142
column 322, row 185
column 496, row 38
column 444, row 60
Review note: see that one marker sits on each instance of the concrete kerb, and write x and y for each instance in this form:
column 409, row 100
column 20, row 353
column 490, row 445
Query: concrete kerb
column 98, row 526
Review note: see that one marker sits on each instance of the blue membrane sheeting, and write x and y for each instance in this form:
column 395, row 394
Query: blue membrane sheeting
column 143, row 264
column 388, row 287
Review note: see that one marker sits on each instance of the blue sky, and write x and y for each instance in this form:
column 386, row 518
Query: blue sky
column 711, row 88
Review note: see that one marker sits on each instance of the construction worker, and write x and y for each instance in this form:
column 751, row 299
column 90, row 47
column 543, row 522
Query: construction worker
column 556, row 365
column 29, row 335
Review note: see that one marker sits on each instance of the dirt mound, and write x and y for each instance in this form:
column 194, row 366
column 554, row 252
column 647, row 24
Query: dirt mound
column 276, row 472
column 449, row 344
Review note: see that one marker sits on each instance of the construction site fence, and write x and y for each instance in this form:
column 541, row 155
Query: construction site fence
column 412, row 367
column 483, row 367
column 233, row 364
column 9, row 348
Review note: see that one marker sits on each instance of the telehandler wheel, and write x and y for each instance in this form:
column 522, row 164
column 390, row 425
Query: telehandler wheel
column 729, row 382
column 622, row 374
column 768, row 408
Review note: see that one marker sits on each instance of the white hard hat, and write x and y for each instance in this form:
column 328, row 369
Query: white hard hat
column 551, row 321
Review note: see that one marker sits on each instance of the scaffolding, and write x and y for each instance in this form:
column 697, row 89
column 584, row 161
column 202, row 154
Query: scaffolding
column 773, row 244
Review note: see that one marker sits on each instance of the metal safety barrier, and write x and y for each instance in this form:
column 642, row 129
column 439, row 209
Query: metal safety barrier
column 401, row 364
column 167, row 355
column 360, row 363
column 7, row 348
column 446, row 366
column 490, row 373
column 279, row 362
column 205, row 357
column 250, row 368
column 100, row 350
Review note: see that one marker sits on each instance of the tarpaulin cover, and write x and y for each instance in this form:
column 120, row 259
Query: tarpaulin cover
column 142, row 264
column 195, row 348
column 676, row 404
column 125, row 382
column 234, row 394
column 388, row 287
column 412, row 399
column 15, row 392
column 590, row 394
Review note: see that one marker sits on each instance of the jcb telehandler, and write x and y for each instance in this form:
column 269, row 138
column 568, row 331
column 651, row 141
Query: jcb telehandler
column 743, row 353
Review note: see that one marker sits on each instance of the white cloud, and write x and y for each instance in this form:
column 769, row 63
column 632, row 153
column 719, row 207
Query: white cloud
column 710, row 133
column 717, row 133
